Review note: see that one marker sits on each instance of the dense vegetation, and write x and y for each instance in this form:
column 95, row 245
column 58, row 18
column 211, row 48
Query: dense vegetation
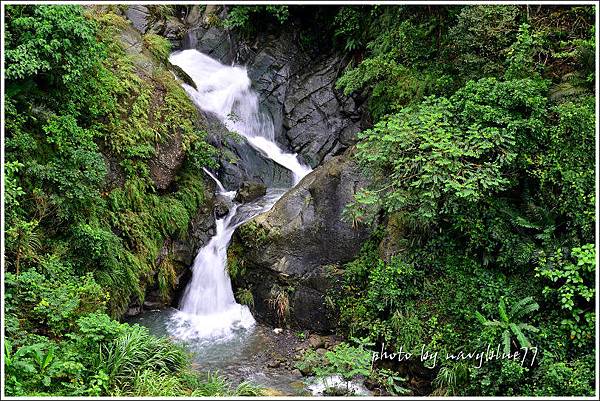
column 79, row 246
column 482, row 158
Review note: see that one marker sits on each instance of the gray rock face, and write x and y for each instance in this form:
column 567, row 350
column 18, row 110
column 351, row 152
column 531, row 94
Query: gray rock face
column 146, row 20
column 138, row 15
column 167, row 161
column 240, row 162
column 293, row 247
column 311, row 117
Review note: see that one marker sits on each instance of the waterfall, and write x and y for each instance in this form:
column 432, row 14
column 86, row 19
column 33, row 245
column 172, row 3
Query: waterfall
column 207, row 310
column 226, row 91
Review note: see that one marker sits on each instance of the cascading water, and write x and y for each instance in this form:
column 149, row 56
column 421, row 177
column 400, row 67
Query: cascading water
column 226, row 92
column 208, row 310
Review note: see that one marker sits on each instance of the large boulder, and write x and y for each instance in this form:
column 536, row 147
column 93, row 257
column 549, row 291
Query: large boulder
column 291, row 255
column 139, row 16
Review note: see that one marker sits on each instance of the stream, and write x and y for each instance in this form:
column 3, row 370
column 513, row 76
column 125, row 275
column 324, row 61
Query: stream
column 222, row 334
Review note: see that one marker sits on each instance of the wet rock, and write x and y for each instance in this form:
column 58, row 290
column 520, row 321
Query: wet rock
column 250, row 191
column 133, row 311
column 167, row 161
column 221, row 209
column 293, row 246
column 241, row 162
column 138, row 15
column 182, row 75
column 316, row 341
column 319, row 121
column 115, row 176
column 153, row 304
column 273, row 364
column 310, row 116
column 171, row 29
column 194, row 16
column 272, row 392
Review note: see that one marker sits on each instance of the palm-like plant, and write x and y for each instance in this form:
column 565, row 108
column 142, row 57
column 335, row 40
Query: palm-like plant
column 509, row 321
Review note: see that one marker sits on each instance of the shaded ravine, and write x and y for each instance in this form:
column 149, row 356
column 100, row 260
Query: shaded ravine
column 208, row 309
column 209, row 321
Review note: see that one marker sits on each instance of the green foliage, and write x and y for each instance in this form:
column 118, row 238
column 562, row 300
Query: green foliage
column 136, row 351
column 347, row 361
column 430, row 158
column 481, row 37
column 279, row 303
column 520, row 55
column 564, row 165
column 51, row 305
column 244, row 296
column 450, row 379
column 245, row 18
column 350, row 362
column 344, row 360
column 350, row 26
column 565, row 378
column 12, row 190
column 390, row 283
column 56, row 44
column 216, row 385
column 509, row 324
column 391, row 381
column 572, row 283
column 158, row 46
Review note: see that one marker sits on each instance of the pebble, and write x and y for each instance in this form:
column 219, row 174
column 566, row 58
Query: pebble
column 273, row 364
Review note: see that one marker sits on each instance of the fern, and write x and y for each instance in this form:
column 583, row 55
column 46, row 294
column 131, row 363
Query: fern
column 508, row 322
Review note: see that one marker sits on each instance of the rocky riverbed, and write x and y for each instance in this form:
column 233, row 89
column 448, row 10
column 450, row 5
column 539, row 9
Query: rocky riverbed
column 262, row 354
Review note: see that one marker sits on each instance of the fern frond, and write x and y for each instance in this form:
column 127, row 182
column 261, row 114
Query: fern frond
column 506, row 340
column 480, row 317
column 523, row 341
column 528, row 327
column 502, row 311
column 523, row 307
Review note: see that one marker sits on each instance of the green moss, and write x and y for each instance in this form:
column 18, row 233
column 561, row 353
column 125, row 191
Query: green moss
column 158, row 46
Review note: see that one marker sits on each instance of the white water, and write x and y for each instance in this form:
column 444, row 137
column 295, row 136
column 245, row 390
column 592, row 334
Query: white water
column 208, row 310
column 226, row 91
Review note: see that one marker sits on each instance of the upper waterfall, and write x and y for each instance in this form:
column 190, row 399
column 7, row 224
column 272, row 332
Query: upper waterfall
column 227, row 92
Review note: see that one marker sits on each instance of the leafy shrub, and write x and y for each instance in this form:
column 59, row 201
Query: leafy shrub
column 244, row 18
column 429, row 158
column 572, row 283
column 57, row 44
